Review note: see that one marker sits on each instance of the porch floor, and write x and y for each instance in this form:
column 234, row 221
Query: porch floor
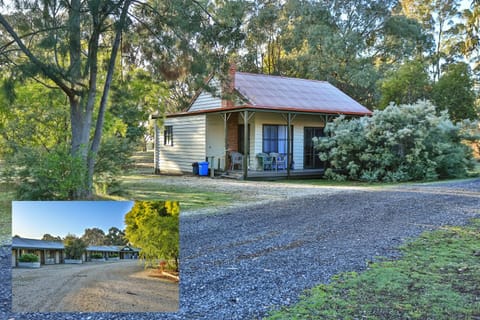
column 274, row 174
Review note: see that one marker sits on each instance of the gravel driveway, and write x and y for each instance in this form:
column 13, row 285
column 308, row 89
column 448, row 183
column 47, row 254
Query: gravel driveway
column 119, row 286
column 240, row 262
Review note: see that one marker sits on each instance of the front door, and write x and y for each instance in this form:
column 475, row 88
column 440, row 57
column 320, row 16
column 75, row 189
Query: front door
column 310, row 155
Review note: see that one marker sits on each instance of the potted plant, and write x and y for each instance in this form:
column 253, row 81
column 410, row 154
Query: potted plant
column 113, row 256
column 96, row 257
column 28, row 260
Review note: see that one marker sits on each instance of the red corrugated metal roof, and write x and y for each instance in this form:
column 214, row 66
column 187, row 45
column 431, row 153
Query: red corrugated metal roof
column 277, row 92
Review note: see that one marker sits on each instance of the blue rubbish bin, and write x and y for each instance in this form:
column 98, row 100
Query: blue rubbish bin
column 203, row 168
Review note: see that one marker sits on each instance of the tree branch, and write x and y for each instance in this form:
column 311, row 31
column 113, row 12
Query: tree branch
column 45, row 69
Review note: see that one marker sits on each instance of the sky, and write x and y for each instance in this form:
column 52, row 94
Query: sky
column 33, row 219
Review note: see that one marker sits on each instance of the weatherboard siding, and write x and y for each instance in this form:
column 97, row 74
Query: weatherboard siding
column 189, row 144
column 206, row 100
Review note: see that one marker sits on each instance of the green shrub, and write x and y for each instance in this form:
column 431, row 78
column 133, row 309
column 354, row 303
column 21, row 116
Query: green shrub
column 28, row 257
column 96, row 256
column 40, row 175
column 113, row 159
column 74, row 247
column 400, row 143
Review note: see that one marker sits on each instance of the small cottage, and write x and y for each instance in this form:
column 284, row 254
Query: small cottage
column 258, row 125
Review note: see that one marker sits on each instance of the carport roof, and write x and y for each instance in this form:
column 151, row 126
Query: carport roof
column 25, row 243
column 105, row 248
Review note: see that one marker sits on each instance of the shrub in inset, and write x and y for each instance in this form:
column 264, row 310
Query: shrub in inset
column 74, row 247
column 28, row 257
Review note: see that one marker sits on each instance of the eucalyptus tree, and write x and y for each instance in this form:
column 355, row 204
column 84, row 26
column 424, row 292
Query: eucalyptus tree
column 468, row 32
column 454, row 92
column 73, row 46
column 438, row 18
column 62, row 41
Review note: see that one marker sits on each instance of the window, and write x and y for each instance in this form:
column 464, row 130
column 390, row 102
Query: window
column 168, row 136
column 275, row 138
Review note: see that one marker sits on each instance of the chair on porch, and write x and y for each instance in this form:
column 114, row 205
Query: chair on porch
column 279, row 160
column 265, row 161
column 236, row 159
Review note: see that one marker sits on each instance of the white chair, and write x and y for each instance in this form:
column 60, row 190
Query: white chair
column 236, row 159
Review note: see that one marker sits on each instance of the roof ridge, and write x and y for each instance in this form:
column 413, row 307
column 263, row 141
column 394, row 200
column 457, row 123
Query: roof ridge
column 281, row 77
column 23, row 238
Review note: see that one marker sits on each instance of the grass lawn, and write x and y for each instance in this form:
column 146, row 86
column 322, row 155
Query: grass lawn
column 150, row 187
column 6, row 197
column 438, row 277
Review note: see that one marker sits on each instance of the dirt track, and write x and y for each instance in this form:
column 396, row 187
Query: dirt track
column 120, row 286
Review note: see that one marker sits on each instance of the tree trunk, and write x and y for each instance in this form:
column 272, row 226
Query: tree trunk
column 103, row 102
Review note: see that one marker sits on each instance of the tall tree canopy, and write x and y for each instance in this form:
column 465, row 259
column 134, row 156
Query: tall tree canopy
column 93, row 237
column 73, row 47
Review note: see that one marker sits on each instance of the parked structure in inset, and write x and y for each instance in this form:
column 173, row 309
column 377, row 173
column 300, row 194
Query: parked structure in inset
column 53, row 252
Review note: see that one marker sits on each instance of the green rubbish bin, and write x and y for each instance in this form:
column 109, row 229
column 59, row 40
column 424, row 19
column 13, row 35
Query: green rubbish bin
column 203, row 168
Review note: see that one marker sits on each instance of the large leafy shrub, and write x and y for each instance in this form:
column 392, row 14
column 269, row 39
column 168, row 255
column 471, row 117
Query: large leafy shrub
column 400, row 143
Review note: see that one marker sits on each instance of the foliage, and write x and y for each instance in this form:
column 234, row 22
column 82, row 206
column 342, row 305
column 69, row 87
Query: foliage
column 35, row 118
column 454, row 92
column 153, row 226
column 135, row 97
column 96, row 256
column 28, row 257
column 54, row 175
column 65, row 48
column 35, row 125
column 115, row 237
column 49, row 237
column 406, row 85
column 437, row 277
column 113, row 159
column 93, row 237
column 400, row 143
column 74, row 247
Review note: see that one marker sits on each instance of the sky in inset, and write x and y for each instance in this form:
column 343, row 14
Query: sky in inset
column 33, row 219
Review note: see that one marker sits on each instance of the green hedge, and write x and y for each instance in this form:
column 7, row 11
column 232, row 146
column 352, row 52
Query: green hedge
column 28, row 257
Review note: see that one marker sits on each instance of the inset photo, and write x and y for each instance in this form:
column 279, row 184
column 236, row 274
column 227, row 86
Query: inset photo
column 95, row 256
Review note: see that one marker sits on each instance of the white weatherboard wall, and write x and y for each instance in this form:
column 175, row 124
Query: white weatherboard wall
column 189, row 144
column 206, row 100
